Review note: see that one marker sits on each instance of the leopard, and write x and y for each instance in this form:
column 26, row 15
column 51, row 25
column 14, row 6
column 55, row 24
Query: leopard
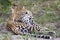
column 22, row 21
column 15, row 22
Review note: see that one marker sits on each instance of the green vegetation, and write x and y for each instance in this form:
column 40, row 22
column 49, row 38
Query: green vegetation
column 47, row 17
column 5, row 4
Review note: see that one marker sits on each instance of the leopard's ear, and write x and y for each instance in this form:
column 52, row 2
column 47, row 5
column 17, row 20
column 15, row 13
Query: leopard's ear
column 12, row 9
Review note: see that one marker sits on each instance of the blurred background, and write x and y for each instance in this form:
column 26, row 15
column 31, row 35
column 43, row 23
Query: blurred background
column 45, row 12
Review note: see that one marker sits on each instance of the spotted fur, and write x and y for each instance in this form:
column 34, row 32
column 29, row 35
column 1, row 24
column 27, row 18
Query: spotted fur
column 21, row 21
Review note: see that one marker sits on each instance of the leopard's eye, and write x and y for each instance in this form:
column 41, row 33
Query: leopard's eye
column 26, row 13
